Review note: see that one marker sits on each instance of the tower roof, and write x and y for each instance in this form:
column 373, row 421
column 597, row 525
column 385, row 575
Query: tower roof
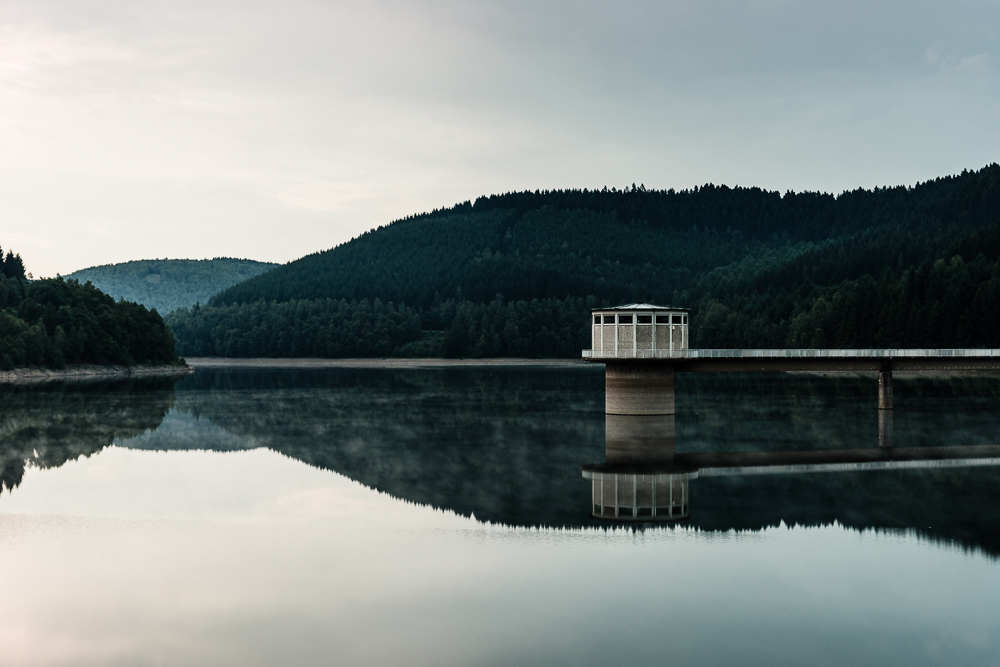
column 642, row 306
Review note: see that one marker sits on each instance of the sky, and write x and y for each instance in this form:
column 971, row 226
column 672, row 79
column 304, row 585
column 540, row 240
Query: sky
column 271, row 130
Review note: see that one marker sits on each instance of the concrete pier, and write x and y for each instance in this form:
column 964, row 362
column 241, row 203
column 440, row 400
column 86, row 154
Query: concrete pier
column 639, row 389
column 885, row 428
column 885, row 390
column 638, row 480
column 639, row 441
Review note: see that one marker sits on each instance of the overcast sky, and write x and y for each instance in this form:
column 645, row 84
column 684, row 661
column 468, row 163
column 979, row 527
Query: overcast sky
column 269, row 130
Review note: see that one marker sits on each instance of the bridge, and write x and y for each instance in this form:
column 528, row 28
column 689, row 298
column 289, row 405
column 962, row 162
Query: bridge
column 643, row 345
column 641, row 382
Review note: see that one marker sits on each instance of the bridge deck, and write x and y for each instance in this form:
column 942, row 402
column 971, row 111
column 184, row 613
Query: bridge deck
column 806, row 360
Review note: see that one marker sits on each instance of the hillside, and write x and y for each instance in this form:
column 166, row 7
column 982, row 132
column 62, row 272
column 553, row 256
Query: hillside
column 514, row 274
column 53, row 322
column 168, row 284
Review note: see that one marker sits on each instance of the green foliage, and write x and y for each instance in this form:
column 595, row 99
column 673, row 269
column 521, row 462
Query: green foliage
column 850, row 294
column 54, row 322
column 870, row 268
column 328, row 328
column 168, row 284
column 300, row 328
column 11, row 266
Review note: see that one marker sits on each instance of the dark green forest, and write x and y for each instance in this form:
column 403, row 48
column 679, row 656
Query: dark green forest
column 514, row 274
column 53, row 322
column 168, row 284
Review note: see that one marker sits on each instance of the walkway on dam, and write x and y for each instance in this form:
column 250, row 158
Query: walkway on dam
column 641, row 381
column 713, row 360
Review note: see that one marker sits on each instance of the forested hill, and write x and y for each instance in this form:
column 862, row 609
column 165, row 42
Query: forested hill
column 168, row 284
column 515, row 274
column 53, row 322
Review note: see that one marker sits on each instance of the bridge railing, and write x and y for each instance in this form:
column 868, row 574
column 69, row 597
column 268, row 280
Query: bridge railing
column 789, row 354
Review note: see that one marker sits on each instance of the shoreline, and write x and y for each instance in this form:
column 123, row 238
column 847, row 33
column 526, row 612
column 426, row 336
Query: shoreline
column 88, row 372
column 95, row 372
column 438, row 362
column 388, row 362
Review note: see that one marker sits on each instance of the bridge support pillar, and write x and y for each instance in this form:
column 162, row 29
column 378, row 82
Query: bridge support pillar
column 639, row 389
column 885, row 390
column 885, row 428
column 635, row 440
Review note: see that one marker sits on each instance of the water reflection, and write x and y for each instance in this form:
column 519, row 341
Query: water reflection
column 639, row 479
column 49, row 424
column 506, row 446
column 644, row 479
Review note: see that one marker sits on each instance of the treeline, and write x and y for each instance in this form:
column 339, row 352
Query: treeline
column 619, row 246
column 54, row 322
column 330, row 328
column 300, row 328
column 937, row 305
column 889, row 267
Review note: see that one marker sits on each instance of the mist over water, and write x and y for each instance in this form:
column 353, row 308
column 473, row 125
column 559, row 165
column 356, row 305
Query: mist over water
column 439, row 516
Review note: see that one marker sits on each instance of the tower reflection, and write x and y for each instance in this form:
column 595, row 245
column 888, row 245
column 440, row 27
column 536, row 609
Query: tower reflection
column 639, row 479
column 643, row 479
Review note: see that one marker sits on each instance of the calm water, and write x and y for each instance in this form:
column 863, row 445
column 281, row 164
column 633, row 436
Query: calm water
column 440, row 517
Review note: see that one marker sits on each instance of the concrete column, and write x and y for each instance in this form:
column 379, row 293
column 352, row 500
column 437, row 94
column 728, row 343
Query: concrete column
column 885, row 428
column 885, row 390
column 639, row 389
column 642, row 440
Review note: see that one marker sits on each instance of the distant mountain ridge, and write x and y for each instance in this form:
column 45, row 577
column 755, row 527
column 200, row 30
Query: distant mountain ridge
column 514, row 274
column 168, row 284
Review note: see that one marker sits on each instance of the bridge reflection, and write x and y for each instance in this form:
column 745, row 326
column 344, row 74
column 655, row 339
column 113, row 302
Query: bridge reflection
column 644, row 479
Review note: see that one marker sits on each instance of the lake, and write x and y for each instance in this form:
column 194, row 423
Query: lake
column 440, row 516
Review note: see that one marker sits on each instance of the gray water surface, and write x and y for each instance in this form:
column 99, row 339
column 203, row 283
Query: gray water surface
column 439, row 516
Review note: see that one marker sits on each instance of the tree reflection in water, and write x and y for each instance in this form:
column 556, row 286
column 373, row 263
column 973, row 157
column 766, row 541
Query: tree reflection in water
column 46, row 425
